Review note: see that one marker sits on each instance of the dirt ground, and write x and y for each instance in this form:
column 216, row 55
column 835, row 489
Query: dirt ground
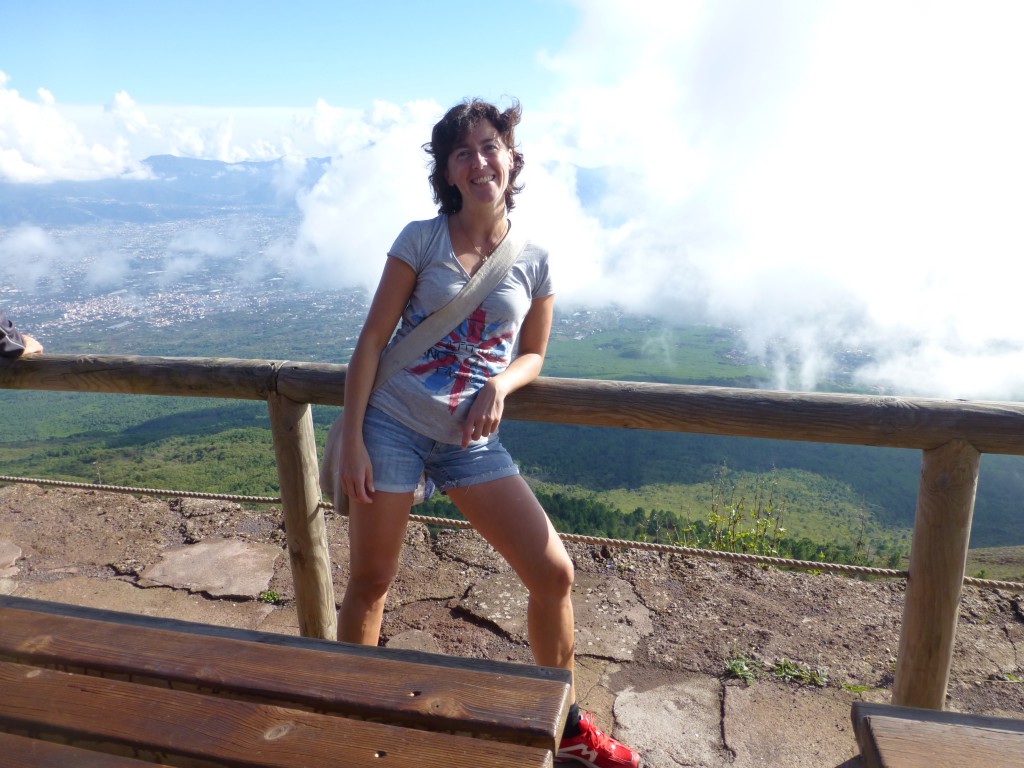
column 643, row 617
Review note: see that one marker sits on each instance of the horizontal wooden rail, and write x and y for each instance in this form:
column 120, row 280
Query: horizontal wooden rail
column 896, row 422
column 951, row 434
column 130, row 375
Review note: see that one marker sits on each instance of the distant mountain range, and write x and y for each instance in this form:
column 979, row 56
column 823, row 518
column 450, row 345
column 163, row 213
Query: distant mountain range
column 181, row 188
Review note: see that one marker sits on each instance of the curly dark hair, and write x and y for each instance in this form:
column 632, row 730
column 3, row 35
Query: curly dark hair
column 453, row 128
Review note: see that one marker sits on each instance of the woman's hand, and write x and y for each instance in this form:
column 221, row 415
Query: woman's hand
column 485, row 413
column 357, row 472
column 489, row 405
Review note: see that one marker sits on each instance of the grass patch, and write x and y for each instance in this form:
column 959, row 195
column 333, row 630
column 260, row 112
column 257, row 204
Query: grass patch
column 998, row 563
column 849, row 688
column 780, row 513
column 1009, row 677
column 649, row 351
column 749, row 669
column 788, row 671
column 743, row 667
column 808, row 504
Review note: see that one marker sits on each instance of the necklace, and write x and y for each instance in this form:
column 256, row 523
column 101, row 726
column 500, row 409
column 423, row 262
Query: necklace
column 484, row 251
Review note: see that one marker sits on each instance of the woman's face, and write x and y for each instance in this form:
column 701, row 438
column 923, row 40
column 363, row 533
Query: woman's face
column 479, row 166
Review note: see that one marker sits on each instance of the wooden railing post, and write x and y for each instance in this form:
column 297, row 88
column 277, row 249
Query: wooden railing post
column 291, row 424
column 938, row 556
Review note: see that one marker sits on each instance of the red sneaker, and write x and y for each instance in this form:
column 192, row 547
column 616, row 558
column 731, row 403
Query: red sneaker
column 595, row 748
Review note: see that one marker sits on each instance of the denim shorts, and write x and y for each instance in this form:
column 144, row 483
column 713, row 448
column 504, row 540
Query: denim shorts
column 400, row 455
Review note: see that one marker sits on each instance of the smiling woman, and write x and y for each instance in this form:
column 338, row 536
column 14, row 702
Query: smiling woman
column 476, row 165
column 439, row 415
column 478, row 138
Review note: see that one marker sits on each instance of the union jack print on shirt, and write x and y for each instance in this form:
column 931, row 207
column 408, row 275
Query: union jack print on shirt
column 466, row 358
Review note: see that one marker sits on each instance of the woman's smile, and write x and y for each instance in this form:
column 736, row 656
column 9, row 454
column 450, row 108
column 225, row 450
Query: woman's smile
column 479, row 166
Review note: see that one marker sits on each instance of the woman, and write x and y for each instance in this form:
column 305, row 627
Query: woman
column 441, row 414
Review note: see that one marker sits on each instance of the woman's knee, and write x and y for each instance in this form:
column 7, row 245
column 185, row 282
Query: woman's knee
column 553, row 580
column 370, row 582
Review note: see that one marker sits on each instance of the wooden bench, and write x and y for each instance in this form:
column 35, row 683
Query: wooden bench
column 128, row 690
column 908, row 737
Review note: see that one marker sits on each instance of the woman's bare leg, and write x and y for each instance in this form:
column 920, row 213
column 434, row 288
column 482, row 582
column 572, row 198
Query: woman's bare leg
column 507, row 514
column 375, row 532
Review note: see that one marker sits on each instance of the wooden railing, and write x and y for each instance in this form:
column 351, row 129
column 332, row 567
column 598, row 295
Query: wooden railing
column 951, row 435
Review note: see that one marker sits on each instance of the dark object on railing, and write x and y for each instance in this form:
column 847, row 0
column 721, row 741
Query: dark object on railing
column 11, row 342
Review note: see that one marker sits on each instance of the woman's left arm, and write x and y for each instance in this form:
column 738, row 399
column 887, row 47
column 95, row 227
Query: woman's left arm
column 489, row 405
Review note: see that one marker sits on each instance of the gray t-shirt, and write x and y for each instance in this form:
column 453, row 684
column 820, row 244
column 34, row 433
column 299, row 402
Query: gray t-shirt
column 433, row 396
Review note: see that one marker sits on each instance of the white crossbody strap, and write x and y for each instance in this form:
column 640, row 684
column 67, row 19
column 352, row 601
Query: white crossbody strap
column 434, row 328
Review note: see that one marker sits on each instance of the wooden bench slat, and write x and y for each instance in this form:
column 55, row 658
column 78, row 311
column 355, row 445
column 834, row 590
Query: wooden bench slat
column 21, row 751
column 527, row 710
column 863, row 709
column 120, row 618
column 911, row 737
column 184, row 727
column 902, row 743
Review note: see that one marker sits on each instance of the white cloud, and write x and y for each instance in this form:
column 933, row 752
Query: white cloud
column 210, row 142
column 43, row 140
column 357, row 208
column 38, row 144
column 108, row 271
column 28, row 258
column 842, row 179
column 129, row 116
column 207, row 244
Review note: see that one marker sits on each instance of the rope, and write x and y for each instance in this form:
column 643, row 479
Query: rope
column 740, row 557
column 143, row 491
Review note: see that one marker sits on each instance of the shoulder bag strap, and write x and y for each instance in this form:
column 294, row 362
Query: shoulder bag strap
column 439, row 324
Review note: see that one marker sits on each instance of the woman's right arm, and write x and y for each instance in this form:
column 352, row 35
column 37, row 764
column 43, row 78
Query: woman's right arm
column 393, row 292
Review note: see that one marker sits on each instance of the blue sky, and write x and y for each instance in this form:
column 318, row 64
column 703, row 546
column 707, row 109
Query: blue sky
column 231, row 53
column 821, row 174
